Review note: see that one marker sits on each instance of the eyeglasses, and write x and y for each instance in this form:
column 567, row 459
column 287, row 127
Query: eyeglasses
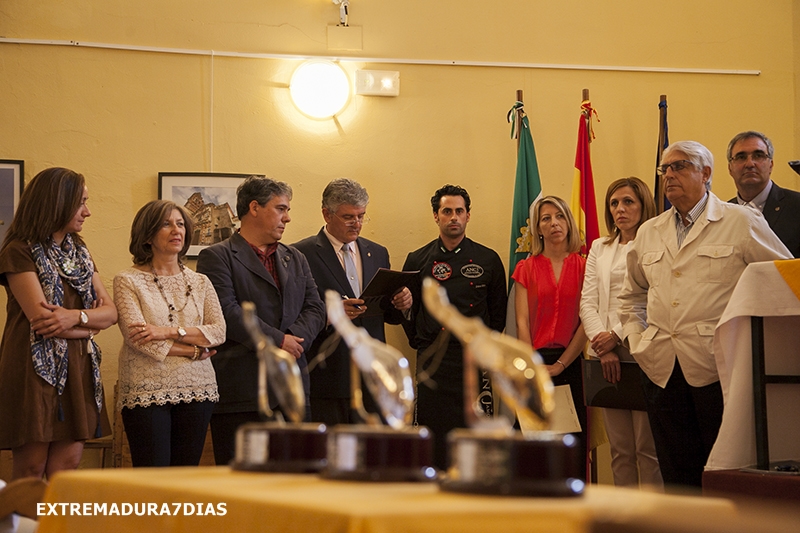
column 676, row 166
column 759, row 156
column 352, row 220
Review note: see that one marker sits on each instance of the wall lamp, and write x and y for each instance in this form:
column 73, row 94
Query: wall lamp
column 378, row 82
column 319, row 88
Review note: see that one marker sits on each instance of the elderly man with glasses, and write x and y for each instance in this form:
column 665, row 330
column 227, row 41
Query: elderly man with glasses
column 682, row 269
column 343, row 261
column 750, row 158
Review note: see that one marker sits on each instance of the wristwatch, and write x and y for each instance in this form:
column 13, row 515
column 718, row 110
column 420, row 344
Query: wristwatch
column 181, row 333
column 84, row 318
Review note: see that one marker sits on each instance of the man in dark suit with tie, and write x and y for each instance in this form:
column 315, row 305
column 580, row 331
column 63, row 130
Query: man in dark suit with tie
column 750, row 156
column 344, row 262
column 253, row 266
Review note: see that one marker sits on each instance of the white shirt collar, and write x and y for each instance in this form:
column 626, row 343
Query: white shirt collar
column 336, row 243
column 759, row 201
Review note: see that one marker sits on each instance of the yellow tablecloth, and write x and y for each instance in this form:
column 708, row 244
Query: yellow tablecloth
column 283, row 503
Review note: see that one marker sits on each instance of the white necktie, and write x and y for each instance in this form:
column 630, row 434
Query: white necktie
column 350, row 270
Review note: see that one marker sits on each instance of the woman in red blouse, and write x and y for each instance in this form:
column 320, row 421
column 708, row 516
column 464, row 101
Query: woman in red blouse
column 548, row 294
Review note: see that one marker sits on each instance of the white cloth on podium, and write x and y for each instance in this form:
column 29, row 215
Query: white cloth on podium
column 761, row 291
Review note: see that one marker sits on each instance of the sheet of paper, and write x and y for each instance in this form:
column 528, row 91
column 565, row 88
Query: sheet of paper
column 565, row 418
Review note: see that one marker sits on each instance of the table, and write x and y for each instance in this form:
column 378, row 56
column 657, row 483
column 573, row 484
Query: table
column 761, row 291
column 295, row 502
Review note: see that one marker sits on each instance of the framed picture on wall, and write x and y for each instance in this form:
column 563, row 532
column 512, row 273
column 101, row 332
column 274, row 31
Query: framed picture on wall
column 12, row 180
column 210, row 198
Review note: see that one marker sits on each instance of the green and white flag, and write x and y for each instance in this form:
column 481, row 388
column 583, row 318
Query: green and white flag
column 527, row 189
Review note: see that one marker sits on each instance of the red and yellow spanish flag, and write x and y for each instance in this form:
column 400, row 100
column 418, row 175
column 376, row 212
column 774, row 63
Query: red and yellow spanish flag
column 583, row 205
column 584, row 209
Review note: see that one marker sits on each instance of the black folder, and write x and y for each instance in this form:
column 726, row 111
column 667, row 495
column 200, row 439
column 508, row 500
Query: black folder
column 625, row 394
column 383, row 286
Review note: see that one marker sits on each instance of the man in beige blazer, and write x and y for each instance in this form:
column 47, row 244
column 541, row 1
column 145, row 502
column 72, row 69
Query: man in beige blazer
column 682, row 269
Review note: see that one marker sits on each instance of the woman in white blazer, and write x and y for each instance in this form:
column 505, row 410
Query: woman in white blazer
column 629, row 203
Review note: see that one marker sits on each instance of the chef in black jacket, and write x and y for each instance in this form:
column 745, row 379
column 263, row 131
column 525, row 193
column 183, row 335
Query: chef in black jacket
column 475, row 281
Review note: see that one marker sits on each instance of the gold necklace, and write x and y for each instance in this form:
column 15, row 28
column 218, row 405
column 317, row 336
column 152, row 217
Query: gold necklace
column 170, row 306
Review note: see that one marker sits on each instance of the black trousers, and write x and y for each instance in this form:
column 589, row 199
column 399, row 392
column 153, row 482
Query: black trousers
column 167, row 435
column 224, row 426
column 333, row 411
column 572, row 376
column 223, row 433
column 440, row 400
column 685, row 422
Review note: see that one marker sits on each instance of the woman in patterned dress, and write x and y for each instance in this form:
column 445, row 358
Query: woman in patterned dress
column 170, row 319
column 51, row 395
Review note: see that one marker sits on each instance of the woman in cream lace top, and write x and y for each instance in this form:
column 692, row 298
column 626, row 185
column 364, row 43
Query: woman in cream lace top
column 170, row 318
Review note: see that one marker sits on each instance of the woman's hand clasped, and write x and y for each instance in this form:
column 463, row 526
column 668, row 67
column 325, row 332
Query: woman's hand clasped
column 201, row 354
column 603, row 344
column 53, row 321
column 143, row 332
column 612, row 372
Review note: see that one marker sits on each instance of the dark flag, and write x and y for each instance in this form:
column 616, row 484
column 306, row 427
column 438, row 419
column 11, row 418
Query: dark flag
column 662, row 204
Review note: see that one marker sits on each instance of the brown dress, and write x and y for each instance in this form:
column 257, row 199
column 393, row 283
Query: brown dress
column 28, row 405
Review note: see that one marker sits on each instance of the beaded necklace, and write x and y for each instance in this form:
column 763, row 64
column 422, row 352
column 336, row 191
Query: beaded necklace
column 170, row 306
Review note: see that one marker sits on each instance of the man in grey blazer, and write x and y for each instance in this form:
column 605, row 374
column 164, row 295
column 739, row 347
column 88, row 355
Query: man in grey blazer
column 253, row 266
column 750, row 159
column 344, row 206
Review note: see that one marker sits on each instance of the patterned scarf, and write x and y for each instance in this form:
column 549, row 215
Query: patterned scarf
column 73, row 263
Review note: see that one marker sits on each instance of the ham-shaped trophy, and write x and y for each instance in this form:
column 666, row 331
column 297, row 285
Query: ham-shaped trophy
column 372, row 451
column 277, row 445
column 490, row 457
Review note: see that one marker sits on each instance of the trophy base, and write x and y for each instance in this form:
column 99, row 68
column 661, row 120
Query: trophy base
column 379, row 453
column 513, row 465
column 277, row 447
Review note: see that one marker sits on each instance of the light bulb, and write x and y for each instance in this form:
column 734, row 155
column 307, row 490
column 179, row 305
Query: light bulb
column 319, row 88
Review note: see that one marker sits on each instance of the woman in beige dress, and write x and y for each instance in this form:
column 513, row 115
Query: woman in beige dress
column 170, row 319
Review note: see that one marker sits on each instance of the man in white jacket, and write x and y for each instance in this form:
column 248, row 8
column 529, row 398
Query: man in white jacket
column 682, row 269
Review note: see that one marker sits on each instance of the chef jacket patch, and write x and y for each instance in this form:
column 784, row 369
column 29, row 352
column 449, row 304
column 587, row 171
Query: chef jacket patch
column 472, row 271
column 442, row 271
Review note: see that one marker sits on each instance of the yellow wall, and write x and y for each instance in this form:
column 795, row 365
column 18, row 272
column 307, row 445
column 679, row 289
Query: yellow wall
column 120, row 117
column 796, row 56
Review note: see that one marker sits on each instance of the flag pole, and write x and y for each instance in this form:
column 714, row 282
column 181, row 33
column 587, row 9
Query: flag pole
column 591, row 456
column 519, row 115
column 662, row 112
column 662, row 139
column 588, row 115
